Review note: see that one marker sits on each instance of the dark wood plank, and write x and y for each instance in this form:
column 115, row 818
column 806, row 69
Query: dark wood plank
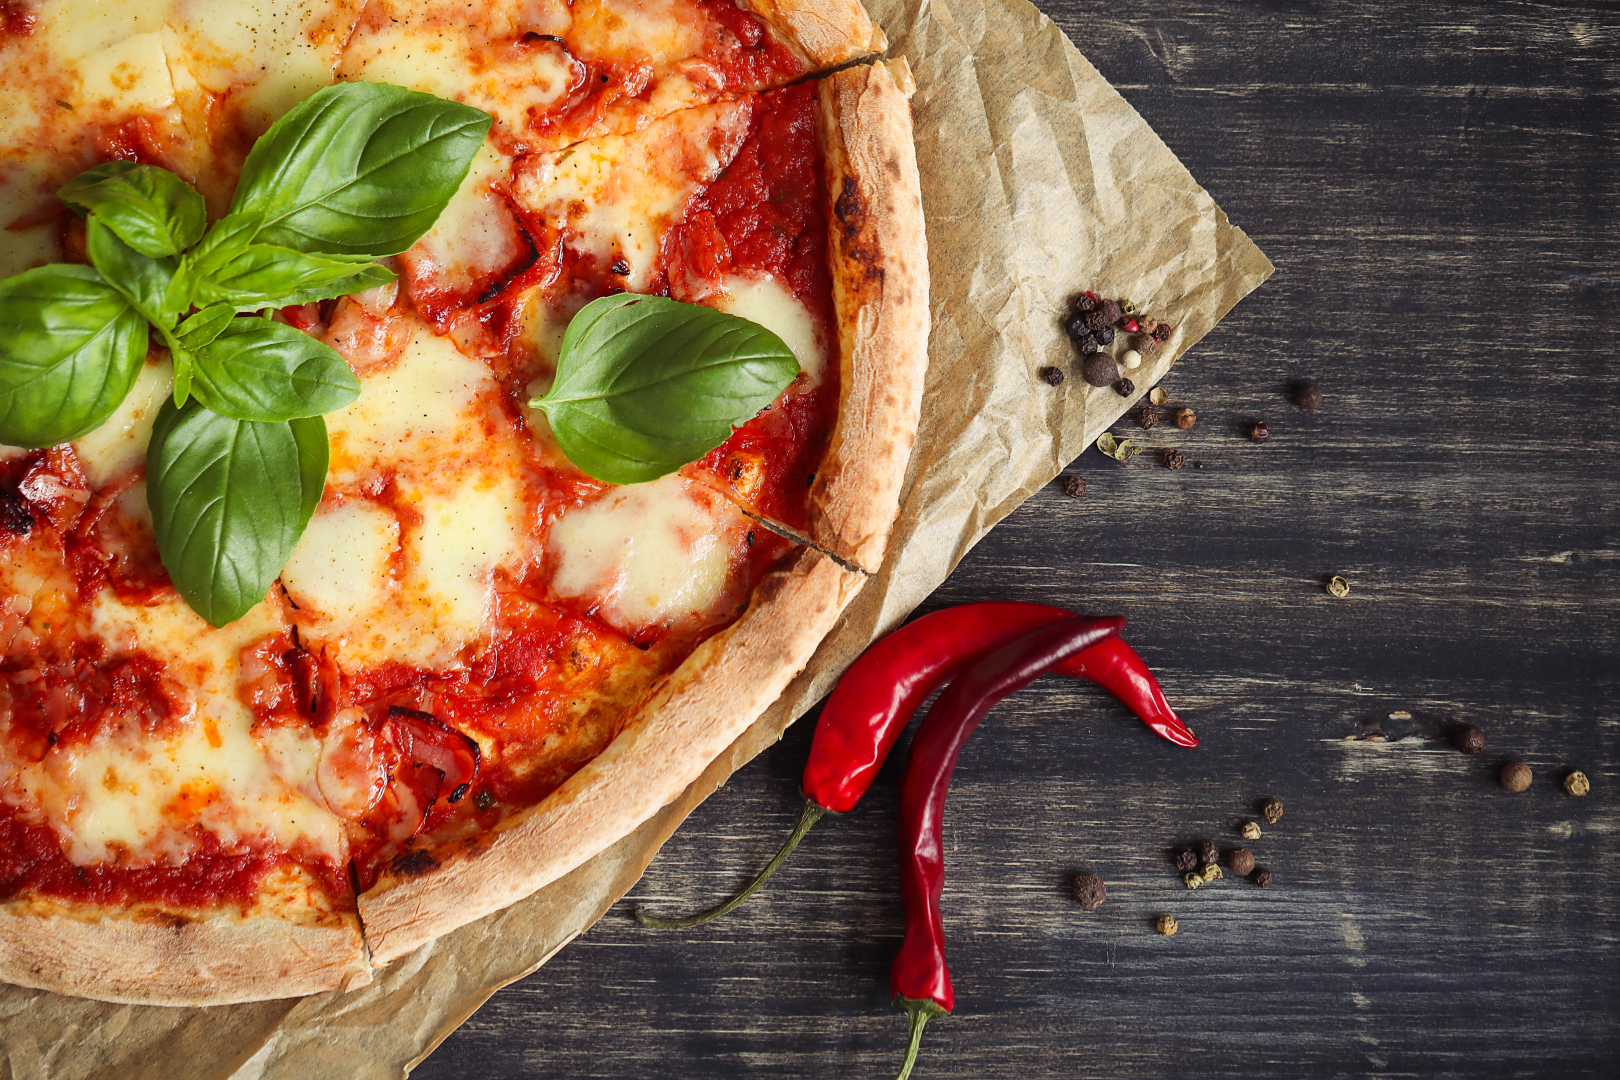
column 1436, row 185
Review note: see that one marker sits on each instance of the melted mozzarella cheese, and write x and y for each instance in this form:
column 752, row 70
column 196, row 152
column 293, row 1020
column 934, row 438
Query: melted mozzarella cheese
column 614, row 197
column 119, row 444
column 766, row 301
column 651, row 554
column 476, row 238
column 340, row 568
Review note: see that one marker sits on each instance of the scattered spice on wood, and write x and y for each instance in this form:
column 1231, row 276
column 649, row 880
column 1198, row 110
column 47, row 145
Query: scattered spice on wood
column 1090, row 891
column 1259, row 431
column 1306, row 394
column 1516, row 776
column 1167, row 925
column 1125, row 388
column 1212, row 872
column 1241, row 860
column 1074, row 486
column 1174, row 459
column 1577, row 784
column 1250, row 831
column 1194, row 880
column 1208, row 852
column 1186, row 859
column 1052, row 376
column 1147, row 416
column 1184, row 419
column 1261, row 877
column 1337, row 587
column 1468, row 738
column 1272, row 810
column 1100, row 370
column 1159, row 395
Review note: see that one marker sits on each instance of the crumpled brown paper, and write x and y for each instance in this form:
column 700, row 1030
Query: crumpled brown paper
column 1038, row 180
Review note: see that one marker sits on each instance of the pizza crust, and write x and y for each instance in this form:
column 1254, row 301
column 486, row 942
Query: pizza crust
column 824, row 33
column 157, row 958
column 879, row 262
column 685, row 724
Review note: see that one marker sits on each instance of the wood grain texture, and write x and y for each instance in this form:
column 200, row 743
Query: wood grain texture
column 1437, row 186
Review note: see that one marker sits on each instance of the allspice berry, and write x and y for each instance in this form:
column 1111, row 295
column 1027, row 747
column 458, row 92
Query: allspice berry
column 1167, row 925
column 1468, row 738
column 1186, row 860
column 1090, row 891
column 1516, row 776
column 1261, row 877
column 1184, row 418
column 1576, row 783
column 1100, row 370
column 1241, row 860
column 1208, row 852
column 1250, row 831
column 1271, row 810
column 1306, row 394
column 1074, row 486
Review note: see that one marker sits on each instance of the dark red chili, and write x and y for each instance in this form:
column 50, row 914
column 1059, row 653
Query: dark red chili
column 877, row 696
column 920, row 982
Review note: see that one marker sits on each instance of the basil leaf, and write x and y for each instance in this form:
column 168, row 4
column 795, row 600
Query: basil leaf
column 151, row 209
column 258, row 276
column 226, row 240
column 361, row 168
column 262, row 370
column 70, row 348
column 646, row 384
column 229, row 500
column 145, row 281
column 205, row 326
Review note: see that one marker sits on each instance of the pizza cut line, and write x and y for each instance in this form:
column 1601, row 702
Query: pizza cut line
column 479, row 667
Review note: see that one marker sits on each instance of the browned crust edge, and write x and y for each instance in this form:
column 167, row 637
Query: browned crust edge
column 823, row 33
column 142, row 958
column 878, row 256
column 681, row 728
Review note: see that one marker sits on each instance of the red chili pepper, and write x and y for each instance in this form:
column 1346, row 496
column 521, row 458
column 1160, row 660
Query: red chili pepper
column 920, row 982
column 877, row 696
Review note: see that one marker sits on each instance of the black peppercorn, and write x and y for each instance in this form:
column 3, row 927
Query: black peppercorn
column 1162, row 332
column 1259, row 432
column 485, row 799
column 1186, row 860
column 1052, row 376
column 1261, row 877
column 1241, row 860
column 1109, row 309
column 1271, row 809
column 1090, row 891
column 1074, row 486
column 1208, row 853
column 1086, row 346
column 1094, row 322
column 1185, row 419
column 1075, row 326
column 1174, row 459
column 1105, row 336
column 1085, row 303
column 1125, row 388
column 1306, row 394
column 1147, row 416
column 1100, row 370
column 1468, row 738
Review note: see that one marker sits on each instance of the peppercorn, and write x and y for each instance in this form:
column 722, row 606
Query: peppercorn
column 1105, row 336
column 1148, row 325
column 1208, row 852
column 1085, row 303
column 1212, row 872
column 1052, row 376
column 1468, row 738
column 1109, row 310
column 1125, row 388
column 1167, row 925
column 1184, row 418
column 1186, row 859
column 1261, row 877
column 1144, row 344
column 1271, row 810
column 1250, row 831
column 1074, row 486
column 1075, row 326
column 1130, row 359
column 1174, row 459
column 1163, row 332
column 1337, row 587
column 1127, row 308
column 1100, row 370
column 1085, row 345
column 1306, row 394
column 1241, row 860
column 1516, row 776
column 1159, row 395
column 1577, row 784
column 1130, row 326
column 1259, row 432
column 1147, row 416
column 1194, row 880
column 1090, row 891
column 1095, row 323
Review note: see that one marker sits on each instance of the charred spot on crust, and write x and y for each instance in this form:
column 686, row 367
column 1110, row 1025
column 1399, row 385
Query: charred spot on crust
column 14, row 516
column 851, row 205
column 173, row 920
column 410, row 864
column 852, row 209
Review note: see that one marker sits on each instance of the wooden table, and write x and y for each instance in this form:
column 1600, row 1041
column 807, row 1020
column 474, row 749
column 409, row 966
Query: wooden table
column 1439, row 186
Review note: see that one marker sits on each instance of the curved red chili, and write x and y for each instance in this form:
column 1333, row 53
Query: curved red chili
column 877, row 696
column 919, row 981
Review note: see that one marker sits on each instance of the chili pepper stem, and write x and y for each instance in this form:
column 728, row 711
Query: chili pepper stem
column 811, row 814
column 920, row 1010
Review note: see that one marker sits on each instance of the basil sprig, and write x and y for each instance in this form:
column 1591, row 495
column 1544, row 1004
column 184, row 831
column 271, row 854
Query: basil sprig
column 646, row 384
column 237, row 460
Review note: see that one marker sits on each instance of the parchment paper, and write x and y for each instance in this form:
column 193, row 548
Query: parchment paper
column 1038, row 181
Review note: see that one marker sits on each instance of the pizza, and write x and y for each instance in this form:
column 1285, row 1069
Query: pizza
column 478, row 662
